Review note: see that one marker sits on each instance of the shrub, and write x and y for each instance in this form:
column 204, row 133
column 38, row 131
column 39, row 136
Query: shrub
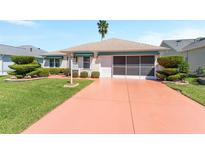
column 161, row 76
column 184, row 67
column 175, row 77
column 183, row 75
column 11, row 73
column 95, row 74
column 19, row 76
column 170, row 61
column 23, row 69
column 41, row 72
column 170, row 71
column 200, row 71
column 66, row 72
column 75, row 73
column 54, row 70
column 22, row 59
column 84, row 74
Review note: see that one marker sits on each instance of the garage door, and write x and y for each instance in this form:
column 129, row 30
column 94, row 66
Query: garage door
column 133, row 65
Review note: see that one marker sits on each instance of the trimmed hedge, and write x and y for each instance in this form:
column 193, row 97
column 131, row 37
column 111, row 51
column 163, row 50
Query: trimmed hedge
column 174, row 68
column 170, row 71
column 161, row 76
column 41, row 72
column 184, row 67
column 170, row 61
column 175, row 77
column 23, row 69
column 84, row 74
column 95, row 74
column 56, row 71
column 19, row 76
column 22, row 59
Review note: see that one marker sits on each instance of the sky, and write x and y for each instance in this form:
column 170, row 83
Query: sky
column 59, row 34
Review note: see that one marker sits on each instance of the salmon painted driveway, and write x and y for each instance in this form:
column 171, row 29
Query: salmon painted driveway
column 124, row 106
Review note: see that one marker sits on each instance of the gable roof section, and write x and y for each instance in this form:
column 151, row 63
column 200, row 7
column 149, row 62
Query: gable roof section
column 177, row 45
column 113, row 45
column 198, row 43
column 20, row 51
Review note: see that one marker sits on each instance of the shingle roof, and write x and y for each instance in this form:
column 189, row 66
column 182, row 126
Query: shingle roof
column 53, row 53
column 21, row 51
column 177, row 45
column 184, row 44
column 114, row 45
column 198, row 43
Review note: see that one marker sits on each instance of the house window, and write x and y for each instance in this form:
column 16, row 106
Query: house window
column 54, row 62
column 57, row 62
column 51, row 62
column 86, row 62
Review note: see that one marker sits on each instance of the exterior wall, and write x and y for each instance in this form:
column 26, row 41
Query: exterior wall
column 106, row 66
column 169, row 52
column 1, row 63
column 195, row 58
column 6, row 61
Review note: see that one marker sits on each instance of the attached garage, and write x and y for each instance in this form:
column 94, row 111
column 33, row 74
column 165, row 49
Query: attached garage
column 134, row 66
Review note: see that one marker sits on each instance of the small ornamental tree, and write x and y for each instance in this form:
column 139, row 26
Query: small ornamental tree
column 23, row 65
column 174, row 68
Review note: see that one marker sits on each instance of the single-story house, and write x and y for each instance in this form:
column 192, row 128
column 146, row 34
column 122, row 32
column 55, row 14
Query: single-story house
column 193, row 50
column 6, row 51
column 111, row 57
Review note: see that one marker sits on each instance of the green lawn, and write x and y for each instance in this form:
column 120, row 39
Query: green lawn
column 193, row 90
column 23, row 103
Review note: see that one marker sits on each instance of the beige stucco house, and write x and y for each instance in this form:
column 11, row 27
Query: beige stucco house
column 111, row 57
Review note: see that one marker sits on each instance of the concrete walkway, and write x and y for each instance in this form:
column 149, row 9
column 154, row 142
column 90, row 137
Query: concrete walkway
column 124, row 106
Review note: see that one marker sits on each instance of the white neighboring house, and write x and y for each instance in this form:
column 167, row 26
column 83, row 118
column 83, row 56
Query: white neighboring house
column 6, row 51
column 193, row 50
column 111, row 57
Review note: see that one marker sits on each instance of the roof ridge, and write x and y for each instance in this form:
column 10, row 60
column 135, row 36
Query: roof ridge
column 12, row 46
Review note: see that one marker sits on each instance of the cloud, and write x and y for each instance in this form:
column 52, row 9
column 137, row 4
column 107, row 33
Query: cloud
column 21, row 22
column 156, row 38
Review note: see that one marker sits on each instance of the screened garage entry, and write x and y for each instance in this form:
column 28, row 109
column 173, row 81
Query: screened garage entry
column 134, row 66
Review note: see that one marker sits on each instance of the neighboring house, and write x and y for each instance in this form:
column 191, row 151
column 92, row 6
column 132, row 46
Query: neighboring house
column 193, row 50
column 7, row 51
column 112, row 58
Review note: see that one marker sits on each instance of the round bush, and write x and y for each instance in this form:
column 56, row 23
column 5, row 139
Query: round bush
column 22, row 59
column 170, row 61
column 75, row 73
column 95, row 74
column 67, row 72
column 170, row 71
column 161, row 76
column 84, row 74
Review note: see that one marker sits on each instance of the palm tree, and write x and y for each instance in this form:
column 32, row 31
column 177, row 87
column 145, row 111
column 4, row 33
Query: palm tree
column 102, row 28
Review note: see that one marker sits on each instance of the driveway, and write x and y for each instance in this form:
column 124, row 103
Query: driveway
column 124, row 106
